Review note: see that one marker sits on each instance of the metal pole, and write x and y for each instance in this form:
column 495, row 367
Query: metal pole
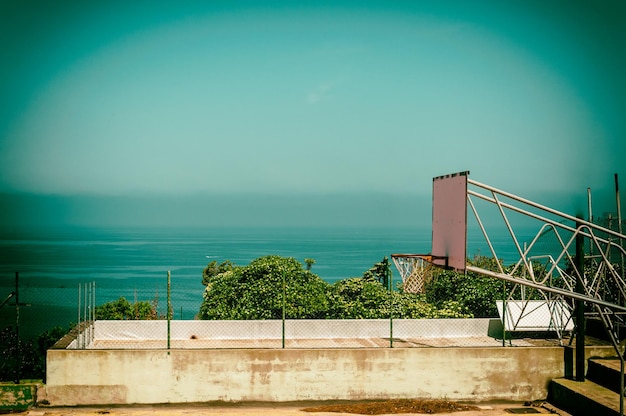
column 390, row 280
column 284, row 302
column 169, row 307
column 92, row 317
column 619, row 223
column 590, row 218
column 17, row 329
column 84, row 331
column 504, row 314
column 78, row 320
column 580, row 308
column 621, row 244
column 621, row 387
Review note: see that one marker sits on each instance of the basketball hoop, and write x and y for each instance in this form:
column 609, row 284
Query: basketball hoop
column 415, row 270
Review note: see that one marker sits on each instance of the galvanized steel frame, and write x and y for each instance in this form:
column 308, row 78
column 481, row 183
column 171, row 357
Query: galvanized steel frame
column 602, row 239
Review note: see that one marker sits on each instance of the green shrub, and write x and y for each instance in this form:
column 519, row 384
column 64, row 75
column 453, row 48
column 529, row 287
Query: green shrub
column 256, row 292
column 122, row 309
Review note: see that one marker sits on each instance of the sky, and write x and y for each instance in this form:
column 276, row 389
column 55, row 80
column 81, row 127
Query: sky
column 111, row 109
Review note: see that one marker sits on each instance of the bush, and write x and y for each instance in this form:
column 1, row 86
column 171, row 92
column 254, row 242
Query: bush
column 122, row 309
column 256, row 292
column 29, row 355
column 475, row 294
column 358, row 298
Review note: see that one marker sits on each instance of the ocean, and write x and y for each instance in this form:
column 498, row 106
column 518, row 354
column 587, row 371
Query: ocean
column 133, row 262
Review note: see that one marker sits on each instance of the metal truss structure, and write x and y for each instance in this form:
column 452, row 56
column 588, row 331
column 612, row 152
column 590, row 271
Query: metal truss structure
column 559, row 273
column 582, row 269
column 555, row 285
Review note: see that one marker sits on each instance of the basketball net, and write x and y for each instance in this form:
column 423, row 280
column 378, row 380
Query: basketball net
column 415, row 270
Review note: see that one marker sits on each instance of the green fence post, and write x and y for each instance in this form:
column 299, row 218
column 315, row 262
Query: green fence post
column 504, row 314
column 390, row 279
column 284, row 302
column 18, row 360
column 169, row 308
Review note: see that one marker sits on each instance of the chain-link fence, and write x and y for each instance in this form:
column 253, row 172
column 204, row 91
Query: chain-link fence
column 123, row 315
column 529, row 323
column 34, row 314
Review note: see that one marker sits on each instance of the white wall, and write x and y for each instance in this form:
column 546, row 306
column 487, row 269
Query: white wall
column 301, row 328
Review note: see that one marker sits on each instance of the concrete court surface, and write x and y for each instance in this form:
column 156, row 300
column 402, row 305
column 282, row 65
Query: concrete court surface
column 253, row 409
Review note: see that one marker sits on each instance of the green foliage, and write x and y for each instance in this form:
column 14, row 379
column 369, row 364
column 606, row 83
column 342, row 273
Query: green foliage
column 309, row 263
column 380, row 271
column 122, row 309
column 475, row 294
column 213, row 269
column 30, row 355
column 358, row 298
column 256, row 292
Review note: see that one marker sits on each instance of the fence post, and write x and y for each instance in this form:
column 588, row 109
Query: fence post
column 78, row 319
column 504, row 314
column 169, row 308
column 18, row 364
column 284, row 302
column 390, row 287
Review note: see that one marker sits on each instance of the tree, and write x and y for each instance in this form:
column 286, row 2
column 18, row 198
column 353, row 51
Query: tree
column 366, row 298
column 29, row 355
column 256, row 292
column 358, row 298
column 213, row 269
column 474, row 292
column 381, row 272
column 259, row 291
column 309, row 263
column 122, row 309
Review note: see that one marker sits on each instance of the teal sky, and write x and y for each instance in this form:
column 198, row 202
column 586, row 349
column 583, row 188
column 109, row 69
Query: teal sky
column 200, row 98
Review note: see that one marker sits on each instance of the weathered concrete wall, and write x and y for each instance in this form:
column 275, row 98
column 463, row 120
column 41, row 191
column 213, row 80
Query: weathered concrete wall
column 86, row 377
column 14, row 397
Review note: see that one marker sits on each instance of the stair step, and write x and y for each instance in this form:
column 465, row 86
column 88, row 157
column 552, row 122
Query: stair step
column 583, row 398
column 605, row 371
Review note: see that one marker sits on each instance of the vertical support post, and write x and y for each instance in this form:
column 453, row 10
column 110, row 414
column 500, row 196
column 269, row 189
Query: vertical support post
column 284, row 304
column 88, row 295
column 580, row 305
column 504, row 296
column 93, row 311
column 389, row 279
column 169, row 309
column 18, row 364
column 85, row 323
column 590, row 218
column 619, row 229
column 78, row 318
column 621, row 243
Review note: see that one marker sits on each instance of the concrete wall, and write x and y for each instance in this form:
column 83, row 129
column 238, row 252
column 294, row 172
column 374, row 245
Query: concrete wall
column 87, row 377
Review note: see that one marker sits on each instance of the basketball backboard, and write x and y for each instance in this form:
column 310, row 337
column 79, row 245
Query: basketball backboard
column 450, row 221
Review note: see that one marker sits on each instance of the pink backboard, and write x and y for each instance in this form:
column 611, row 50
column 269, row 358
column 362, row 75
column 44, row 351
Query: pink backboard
column 450, row 221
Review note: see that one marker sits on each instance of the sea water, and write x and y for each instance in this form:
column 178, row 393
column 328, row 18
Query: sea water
column 55, row 265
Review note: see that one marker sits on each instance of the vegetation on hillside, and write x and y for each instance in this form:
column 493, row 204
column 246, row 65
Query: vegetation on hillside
column 26, row 359
column 259, row 290
column 122, row 309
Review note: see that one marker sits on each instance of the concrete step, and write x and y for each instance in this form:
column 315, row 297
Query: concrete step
column 583, row 398
column 605, row 371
